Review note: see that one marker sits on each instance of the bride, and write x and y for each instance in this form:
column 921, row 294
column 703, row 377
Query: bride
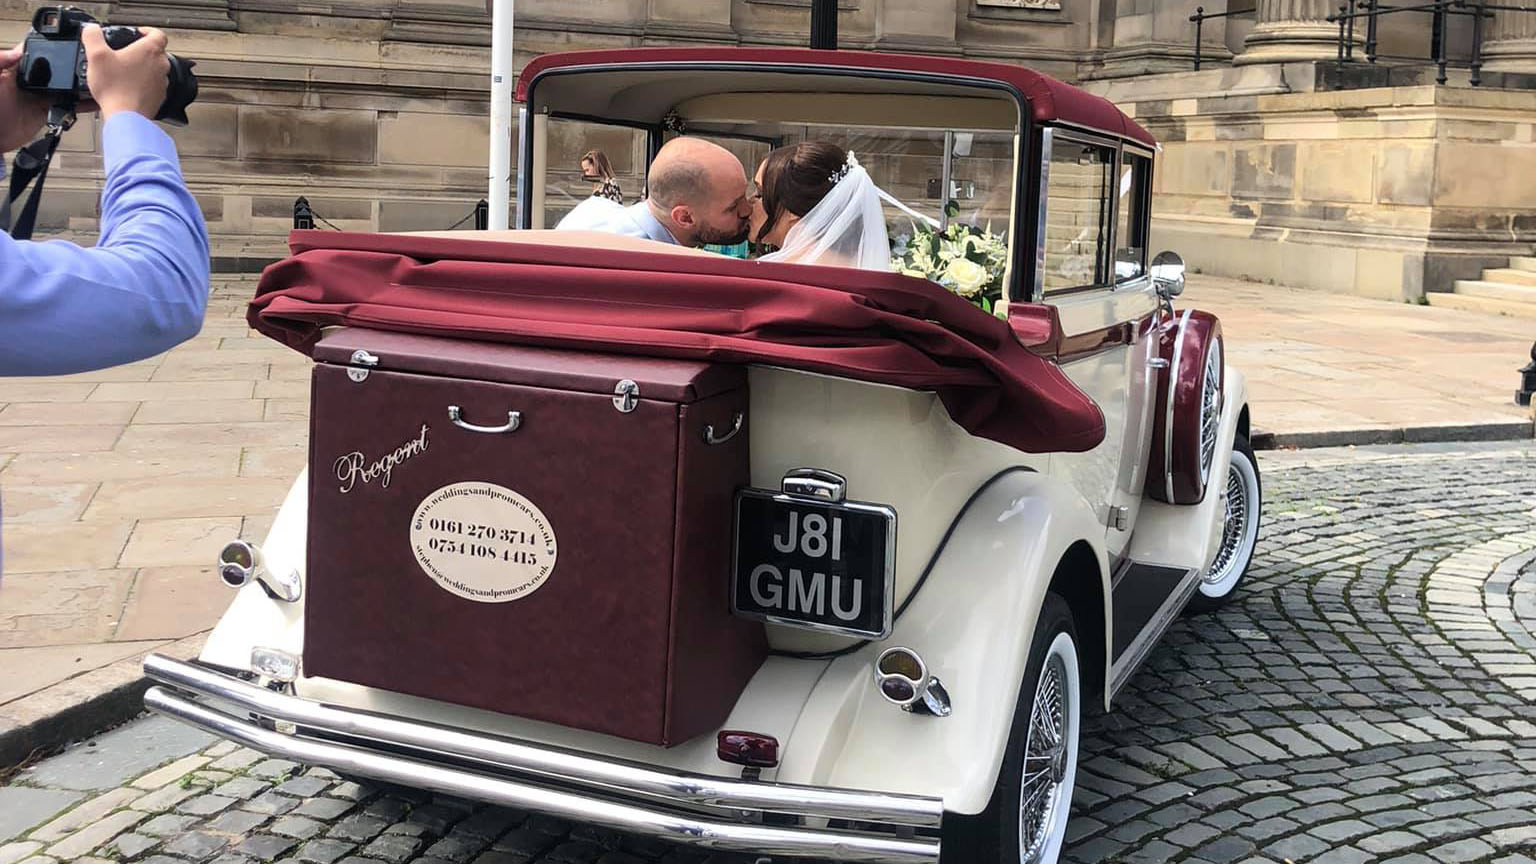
column 817, row 205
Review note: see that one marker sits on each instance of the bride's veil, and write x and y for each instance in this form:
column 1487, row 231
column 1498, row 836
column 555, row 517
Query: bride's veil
column 844, row 229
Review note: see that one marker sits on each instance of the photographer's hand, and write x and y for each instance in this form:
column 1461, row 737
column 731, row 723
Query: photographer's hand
column 132, row 79
column 22, row 115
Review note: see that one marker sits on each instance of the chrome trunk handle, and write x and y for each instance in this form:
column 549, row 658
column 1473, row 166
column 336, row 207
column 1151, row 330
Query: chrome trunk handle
column 709, row 431
column 514, row 420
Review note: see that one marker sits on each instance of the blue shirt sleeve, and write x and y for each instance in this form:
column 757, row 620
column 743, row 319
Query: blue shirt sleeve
column 141, row 290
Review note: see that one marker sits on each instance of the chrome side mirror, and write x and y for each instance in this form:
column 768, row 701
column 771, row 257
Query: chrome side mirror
column 1168, row 274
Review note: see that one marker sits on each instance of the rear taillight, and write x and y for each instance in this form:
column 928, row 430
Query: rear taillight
column 748, row 748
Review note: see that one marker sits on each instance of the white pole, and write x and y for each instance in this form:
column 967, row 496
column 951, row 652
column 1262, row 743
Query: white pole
column 500, row 197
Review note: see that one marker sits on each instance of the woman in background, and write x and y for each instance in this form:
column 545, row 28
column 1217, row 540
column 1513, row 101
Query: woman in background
column 597, row 170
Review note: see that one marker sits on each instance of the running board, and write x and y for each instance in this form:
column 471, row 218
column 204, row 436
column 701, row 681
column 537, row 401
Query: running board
column 1141, row 584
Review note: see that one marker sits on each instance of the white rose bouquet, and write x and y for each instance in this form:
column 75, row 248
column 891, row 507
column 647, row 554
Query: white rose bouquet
column 967, row 260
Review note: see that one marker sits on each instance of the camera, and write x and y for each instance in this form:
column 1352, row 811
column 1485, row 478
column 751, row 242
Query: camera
column 53, row 62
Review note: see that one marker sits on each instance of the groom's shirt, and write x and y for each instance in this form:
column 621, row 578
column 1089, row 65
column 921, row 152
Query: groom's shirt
column 602, row 214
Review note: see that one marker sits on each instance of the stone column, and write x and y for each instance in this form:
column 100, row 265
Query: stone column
column 1152, row 36
column 1295, row 30
column 1509, row 44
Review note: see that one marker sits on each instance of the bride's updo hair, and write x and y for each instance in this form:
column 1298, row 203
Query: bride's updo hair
column 796, row 178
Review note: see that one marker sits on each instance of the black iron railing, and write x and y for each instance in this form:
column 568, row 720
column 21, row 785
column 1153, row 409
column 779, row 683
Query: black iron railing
column 305, row 217
column 1369, row 14
column 1440, row 12
column 1200, row 17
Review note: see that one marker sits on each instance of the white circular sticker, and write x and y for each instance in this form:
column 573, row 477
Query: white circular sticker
column 483, row 542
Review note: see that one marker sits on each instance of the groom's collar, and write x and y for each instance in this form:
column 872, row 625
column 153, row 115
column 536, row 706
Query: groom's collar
column 654, row 227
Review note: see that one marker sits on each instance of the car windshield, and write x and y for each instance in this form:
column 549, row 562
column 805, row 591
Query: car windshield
column 945, row 156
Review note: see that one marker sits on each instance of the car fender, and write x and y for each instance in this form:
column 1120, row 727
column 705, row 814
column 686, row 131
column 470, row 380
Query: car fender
column 1186, row 536
column 972, row 623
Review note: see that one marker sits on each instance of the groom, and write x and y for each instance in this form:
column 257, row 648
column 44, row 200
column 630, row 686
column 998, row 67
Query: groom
column 697, row 197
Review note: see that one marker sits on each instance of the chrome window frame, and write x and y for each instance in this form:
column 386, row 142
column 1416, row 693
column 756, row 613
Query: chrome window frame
column 1046, row 148
column 1107, row 215
column 1147, row 153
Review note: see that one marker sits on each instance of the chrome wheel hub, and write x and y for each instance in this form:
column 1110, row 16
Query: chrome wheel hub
column 1045, row 760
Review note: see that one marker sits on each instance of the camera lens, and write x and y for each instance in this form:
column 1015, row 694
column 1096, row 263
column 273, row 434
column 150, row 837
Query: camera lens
column 180, row 91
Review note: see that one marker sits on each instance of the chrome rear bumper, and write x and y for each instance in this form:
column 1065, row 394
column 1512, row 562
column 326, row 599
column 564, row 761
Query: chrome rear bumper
column 699, row 810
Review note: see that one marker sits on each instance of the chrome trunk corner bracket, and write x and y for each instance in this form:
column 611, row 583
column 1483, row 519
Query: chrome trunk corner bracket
column 359, row 364
column 626, row 396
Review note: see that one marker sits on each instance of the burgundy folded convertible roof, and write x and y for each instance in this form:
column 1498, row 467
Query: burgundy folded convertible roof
column 1049, row 100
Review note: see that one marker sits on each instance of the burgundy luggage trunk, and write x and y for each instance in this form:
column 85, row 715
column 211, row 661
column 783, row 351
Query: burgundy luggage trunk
column 535, row 532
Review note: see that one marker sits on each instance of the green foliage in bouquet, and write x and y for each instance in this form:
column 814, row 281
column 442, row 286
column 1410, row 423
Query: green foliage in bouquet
column 967, row 260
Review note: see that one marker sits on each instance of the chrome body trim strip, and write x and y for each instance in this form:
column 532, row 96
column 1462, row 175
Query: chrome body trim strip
column 1173, row 382
column 560, row 769
column 694, row 831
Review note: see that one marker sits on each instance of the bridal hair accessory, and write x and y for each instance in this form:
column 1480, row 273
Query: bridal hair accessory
column 842, row 173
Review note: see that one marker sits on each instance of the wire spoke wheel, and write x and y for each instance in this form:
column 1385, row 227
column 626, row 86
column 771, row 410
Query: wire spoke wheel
column 1049, row 756
column 1025, row 820
column 1239, row 531
column 1235, row 523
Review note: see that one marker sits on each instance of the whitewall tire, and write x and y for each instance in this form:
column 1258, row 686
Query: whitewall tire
column 1239, row 533
column 1026, row 820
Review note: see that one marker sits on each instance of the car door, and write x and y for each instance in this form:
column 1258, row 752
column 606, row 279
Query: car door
column 1095, row 276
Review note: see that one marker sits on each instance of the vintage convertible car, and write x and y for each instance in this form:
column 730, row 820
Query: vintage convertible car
column 791, row 560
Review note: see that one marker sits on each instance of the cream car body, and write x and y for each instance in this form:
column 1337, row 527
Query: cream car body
column 986, row 533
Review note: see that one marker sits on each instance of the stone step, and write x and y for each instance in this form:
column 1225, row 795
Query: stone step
column 1522, row 262
column 1485, row 305
column 1510, row 276
column 1497, row 290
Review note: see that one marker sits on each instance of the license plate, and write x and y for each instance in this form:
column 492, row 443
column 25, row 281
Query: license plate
column 805, row 563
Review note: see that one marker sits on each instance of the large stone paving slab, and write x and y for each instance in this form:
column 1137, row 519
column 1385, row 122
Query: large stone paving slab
column 22, row 808
column 121, row 485
column 114, row 758
column 1367, row 697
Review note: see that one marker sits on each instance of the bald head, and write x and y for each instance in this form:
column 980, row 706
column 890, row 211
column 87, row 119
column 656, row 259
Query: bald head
column 698, row 189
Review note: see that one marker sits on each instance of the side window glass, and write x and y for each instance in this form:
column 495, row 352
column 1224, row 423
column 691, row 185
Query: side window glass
column 615, row 169
column 1077, row 204
column 1131, row 232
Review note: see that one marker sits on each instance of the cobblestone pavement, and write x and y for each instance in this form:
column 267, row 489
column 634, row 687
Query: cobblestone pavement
column 1370, row 696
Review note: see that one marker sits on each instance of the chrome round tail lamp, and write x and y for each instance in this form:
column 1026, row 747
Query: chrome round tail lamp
column 239, row 562
column 903, row 679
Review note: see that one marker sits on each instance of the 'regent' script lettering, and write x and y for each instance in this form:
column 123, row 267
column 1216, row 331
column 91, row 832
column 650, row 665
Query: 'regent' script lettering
column 354, row 466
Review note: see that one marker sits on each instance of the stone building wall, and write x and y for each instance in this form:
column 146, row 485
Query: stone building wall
column 376, row 110
column 1388, row 192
